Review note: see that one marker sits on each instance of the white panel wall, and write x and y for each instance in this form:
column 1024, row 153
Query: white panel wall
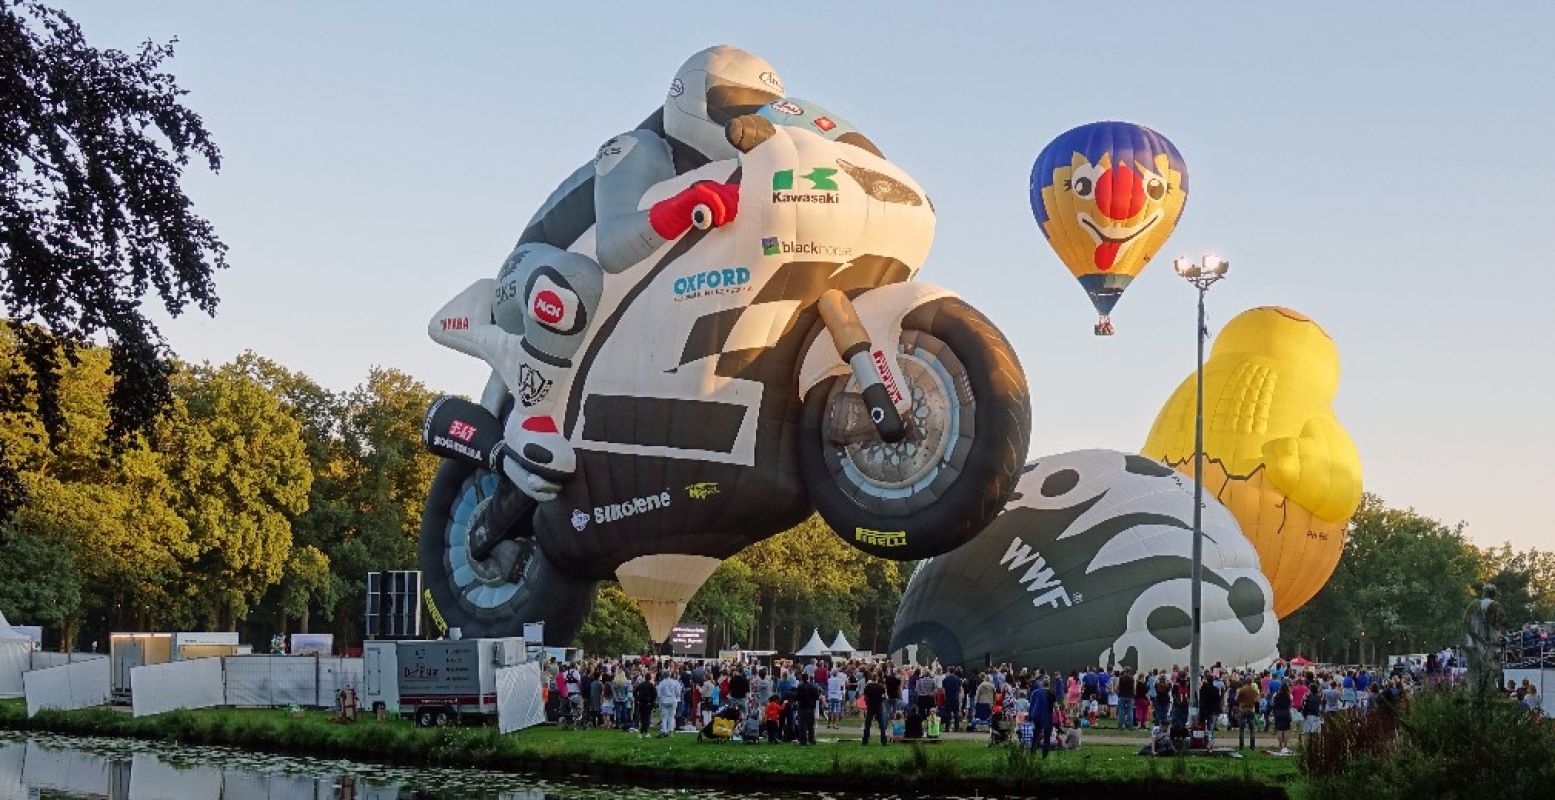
column 519, row 700
column 337, row 673
column 271, row 681
column 82, row 684
column 1542, row 680
column 178, row 684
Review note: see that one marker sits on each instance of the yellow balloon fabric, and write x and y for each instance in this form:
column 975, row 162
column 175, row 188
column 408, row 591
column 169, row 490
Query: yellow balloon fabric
column 1274, row 453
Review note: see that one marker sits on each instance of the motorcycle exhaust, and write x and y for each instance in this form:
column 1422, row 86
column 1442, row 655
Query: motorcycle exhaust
column 872, row 368
column 458, row 429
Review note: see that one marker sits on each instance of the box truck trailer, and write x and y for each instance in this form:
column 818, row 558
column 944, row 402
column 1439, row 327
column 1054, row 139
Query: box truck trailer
column 438, row 681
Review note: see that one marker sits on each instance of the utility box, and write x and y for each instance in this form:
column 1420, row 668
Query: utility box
column 438, row 681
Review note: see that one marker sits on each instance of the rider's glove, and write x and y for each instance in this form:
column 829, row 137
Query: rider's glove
column 672, row 217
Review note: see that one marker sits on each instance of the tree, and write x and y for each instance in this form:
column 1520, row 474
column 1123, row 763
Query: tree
column 307, row 584
column 93, row 144
column 1400, row 587
column 38, row 580
column 615, row 625
column 726, row 603
column 242, row 474
column 1525, row 580
column 808, row 577
column 109, row 516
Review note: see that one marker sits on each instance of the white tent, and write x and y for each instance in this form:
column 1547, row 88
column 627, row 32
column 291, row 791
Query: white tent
column 840, row 646
column 814, row 647
column 15, row 658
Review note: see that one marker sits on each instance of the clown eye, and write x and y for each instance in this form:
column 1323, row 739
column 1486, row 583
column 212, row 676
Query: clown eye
column 1082, row 181
column 1155, row 187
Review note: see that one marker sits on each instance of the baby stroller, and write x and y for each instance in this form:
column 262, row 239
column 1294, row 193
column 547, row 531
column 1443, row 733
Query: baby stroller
column 573, row 714
column 998, row 730
column 750, row 729
column 723, row 725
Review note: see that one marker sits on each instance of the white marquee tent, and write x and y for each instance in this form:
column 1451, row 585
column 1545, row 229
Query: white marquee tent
column 814, row 647
column 840, row 646
column 15, row 658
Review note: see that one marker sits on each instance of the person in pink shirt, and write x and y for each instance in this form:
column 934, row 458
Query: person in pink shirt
column 1298, row 693
column 1072, row 694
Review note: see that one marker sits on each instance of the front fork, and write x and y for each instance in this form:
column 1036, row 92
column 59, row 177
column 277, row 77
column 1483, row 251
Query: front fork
column 886, row 394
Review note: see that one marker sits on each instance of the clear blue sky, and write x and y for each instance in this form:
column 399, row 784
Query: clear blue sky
column 1387, row 168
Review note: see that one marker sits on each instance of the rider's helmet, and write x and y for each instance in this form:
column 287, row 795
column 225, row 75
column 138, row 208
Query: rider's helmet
column 711, row 88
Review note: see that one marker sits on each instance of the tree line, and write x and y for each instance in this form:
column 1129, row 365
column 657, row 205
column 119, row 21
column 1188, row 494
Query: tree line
column 257, row 502
column 1403, row 583
column 771, row 596
column 260, row 500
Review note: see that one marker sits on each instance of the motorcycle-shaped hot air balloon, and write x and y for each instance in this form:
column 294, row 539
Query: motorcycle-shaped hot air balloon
column 737, row 380
column 1107, row 195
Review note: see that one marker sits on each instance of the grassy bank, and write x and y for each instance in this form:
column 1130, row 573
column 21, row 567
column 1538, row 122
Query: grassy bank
column 838, row 762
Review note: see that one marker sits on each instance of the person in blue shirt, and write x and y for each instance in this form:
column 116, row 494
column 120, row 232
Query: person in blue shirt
column 950, row 713
column 1040, row 715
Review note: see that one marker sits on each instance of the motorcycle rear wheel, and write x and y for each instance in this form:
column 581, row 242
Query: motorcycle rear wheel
column 970, row 429
column 494, row 596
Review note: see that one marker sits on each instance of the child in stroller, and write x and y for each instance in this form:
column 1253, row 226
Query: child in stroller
column 998, row 730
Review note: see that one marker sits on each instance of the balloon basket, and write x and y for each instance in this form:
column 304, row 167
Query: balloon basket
column 1103, row 326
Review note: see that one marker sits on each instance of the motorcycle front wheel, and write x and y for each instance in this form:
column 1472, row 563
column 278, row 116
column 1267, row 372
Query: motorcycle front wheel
column 968, row 435
column 513, row 585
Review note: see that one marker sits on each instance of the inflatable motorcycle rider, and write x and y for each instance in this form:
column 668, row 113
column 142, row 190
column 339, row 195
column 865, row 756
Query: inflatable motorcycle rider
column 530, row 321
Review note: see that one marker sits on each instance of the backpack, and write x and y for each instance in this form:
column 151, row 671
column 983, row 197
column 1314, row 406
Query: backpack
column 1309, row 704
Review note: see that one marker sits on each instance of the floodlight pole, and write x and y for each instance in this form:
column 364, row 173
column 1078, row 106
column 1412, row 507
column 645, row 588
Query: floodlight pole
column 1202, row 276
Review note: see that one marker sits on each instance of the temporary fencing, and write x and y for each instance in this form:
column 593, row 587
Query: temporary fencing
column 1542, row 680
column 336, row 673
column 520, row 702
column 82, row 684
column 271, row 681
column 195, row 683
column 43, row 660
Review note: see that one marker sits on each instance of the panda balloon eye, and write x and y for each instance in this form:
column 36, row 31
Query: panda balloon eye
column 1060, row 483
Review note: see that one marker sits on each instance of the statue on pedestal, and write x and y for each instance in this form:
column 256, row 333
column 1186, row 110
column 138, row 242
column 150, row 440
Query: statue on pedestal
column 1485, row 622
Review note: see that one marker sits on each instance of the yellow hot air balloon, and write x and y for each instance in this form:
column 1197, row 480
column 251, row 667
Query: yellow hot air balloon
column 1274, row 453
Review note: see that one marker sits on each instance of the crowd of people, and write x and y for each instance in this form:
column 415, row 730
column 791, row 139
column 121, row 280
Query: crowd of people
column 1530, row 647
column 785, row 701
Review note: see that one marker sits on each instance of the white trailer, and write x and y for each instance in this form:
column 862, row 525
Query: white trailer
column 131, row 650
column 438, row 681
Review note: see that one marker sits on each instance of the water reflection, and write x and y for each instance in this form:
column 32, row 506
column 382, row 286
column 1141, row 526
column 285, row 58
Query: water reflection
column 35, row 766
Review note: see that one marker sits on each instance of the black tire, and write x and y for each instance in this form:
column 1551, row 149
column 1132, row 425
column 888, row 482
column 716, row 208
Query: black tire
column 963, row 354
column 491, row 604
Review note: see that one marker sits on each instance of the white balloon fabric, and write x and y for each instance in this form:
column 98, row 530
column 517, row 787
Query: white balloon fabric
column 1090, row 565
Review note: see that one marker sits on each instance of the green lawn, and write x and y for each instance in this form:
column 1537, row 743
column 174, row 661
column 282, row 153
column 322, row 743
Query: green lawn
column 838, row 760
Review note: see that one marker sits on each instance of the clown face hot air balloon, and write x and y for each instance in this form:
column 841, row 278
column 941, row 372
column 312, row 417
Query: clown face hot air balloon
column 1107, row 195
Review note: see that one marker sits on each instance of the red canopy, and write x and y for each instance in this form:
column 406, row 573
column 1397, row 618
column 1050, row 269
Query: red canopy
column 1298, row 661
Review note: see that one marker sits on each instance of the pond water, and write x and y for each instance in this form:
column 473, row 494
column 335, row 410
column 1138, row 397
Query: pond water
column 40, row 766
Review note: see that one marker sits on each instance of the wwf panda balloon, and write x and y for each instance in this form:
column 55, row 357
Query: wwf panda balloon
column 1090, row 564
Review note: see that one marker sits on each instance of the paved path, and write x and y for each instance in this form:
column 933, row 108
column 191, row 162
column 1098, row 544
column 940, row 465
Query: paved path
column 1088, row 736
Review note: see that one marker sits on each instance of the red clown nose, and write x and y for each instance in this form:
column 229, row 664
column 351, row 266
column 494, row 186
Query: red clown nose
column 1119, row 193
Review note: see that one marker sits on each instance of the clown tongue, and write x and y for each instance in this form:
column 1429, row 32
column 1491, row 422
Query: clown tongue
column 1106, row 254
